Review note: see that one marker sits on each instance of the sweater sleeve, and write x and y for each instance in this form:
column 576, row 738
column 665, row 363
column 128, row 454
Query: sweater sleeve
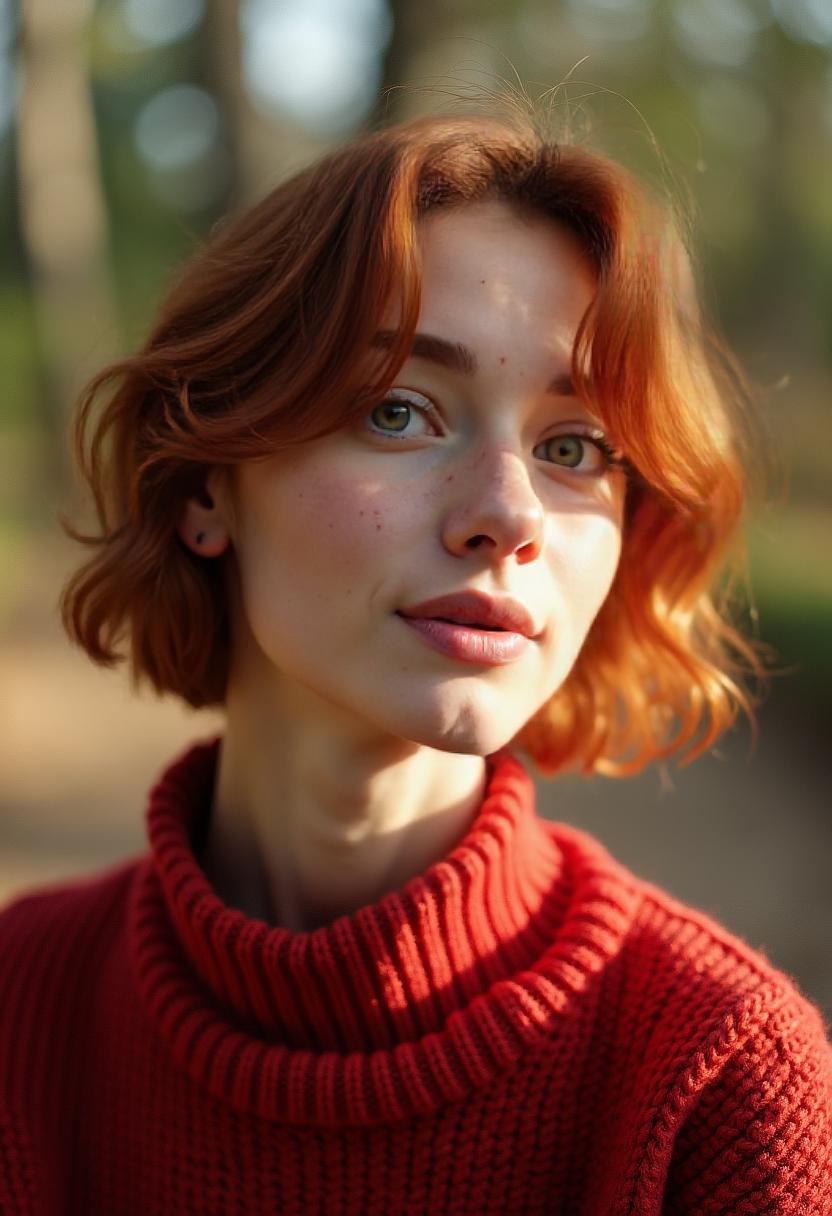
column 759, row 1137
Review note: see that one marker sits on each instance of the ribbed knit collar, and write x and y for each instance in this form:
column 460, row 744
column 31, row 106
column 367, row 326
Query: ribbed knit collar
column 394, row 1010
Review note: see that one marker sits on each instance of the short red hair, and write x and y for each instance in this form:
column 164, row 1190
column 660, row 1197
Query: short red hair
column 263, row 341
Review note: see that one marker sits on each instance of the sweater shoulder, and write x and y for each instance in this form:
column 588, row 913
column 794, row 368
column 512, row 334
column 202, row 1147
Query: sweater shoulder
column 675, row 953
column 748, row 1063
column 727, row 1051
column 52, row 940
column 712, row 956
column 62, row 907
column 756, row 1025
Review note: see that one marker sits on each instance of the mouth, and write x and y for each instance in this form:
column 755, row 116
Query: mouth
column 475, row 610
column 447, row 620
column 468, row 641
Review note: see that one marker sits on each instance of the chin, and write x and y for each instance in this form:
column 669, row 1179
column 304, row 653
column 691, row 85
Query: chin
column 472, row 734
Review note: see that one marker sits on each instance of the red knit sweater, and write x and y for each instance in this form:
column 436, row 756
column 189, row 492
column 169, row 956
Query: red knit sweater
column 524, row 1028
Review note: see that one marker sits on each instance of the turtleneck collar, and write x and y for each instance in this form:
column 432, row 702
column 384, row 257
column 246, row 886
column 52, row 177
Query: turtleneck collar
column 406, row 1003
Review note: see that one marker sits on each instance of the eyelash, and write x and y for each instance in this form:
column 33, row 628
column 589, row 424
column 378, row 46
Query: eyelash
column 613, row 457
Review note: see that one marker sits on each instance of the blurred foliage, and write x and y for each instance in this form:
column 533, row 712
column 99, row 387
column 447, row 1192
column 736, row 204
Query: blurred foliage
column 737, row 94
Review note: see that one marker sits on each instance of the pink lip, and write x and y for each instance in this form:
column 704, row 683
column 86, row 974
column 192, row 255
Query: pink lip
column 468, row 643
column 473, row 626
column 477, row 610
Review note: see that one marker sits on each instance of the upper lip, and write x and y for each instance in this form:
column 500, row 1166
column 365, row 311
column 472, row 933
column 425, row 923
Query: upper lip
column 477, row 608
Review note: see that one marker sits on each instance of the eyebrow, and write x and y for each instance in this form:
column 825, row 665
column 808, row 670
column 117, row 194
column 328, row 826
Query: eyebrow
column 459, row 358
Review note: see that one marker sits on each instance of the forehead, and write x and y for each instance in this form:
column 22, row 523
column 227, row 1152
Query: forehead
column 486, row 267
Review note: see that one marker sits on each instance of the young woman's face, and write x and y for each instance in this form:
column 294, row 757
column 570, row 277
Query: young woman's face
column 475, row 474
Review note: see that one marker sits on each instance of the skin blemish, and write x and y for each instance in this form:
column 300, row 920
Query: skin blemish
column 502, row 358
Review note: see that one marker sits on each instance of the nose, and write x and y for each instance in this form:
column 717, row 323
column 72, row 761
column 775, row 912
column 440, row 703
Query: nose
column 498, row 512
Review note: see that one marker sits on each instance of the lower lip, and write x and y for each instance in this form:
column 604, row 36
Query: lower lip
column 468, row 643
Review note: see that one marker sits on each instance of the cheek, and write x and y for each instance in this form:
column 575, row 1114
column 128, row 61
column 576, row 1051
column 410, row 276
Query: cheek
column 343, row 520
column 609, row 554
column 329, row 532
column 586, row 559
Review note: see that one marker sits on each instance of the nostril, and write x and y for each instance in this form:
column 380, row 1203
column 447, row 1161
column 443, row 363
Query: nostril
column 528, row 552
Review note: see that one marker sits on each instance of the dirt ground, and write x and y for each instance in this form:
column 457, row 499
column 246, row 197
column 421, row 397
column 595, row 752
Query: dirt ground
column 746, row 839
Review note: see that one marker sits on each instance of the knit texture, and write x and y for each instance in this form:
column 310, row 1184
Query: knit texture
column 526, row 1027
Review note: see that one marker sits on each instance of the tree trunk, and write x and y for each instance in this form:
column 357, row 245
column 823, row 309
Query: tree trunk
column 63, row 214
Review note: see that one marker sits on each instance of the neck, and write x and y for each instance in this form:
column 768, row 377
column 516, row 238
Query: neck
column 309, row 826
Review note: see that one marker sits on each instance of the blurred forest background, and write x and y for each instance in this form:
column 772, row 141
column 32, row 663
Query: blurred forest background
column 128, row 127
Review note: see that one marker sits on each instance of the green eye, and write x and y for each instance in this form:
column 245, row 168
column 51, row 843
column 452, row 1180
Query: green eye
column 567, row 450
column 395, row 413
column 589, row 454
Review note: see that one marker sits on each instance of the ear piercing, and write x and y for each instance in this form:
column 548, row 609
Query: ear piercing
column 200, row 537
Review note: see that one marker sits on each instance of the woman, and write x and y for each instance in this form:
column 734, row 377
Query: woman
column 425, row 463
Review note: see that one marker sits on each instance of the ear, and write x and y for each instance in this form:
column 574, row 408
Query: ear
column 203, row 521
